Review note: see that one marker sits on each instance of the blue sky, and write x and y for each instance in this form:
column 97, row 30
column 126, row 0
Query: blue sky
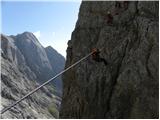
column 51, row 22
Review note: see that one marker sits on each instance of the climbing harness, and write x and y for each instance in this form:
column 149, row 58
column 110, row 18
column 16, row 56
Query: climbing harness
column 48, row 81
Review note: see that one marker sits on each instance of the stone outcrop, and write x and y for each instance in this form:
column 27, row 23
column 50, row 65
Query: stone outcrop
column 128, row 86
column 35, row 55
column 23, row 61
column 58, row 62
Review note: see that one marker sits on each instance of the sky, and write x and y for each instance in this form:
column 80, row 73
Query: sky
column 52, row 22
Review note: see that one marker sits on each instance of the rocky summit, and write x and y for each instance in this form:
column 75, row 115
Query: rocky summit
column 127, row 86
column 58, row 62
column 24, row 66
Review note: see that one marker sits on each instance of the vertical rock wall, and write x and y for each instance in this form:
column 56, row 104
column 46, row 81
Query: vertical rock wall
column 128, row 86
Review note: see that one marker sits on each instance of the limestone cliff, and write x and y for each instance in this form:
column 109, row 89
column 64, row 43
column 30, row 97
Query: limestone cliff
column 128, row 86
column 24, row 66
column 58, row 62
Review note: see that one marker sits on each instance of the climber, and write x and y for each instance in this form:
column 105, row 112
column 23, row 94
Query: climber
column 125, row 5
column 117, row 7
column 118, row 4
column 109, row 18
column 96, row 57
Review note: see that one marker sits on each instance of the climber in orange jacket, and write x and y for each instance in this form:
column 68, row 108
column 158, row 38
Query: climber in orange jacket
column 96, row 57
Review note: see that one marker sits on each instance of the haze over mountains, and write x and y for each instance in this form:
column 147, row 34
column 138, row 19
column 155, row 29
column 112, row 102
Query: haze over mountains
column 25, row 63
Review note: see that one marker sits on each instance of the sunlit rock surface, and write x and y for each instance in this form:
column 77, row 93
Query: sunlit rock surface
column 24, row 65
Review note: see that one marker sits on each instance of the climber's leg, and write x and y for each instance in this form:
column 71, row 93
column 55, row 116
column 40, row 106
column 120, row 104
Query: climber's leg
column 104, row 61
column 101, row 60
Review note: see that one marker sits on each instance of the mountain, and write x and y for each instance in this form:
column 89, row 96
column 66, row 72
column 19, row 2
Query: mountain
column 128, row 86
column 58, row 62
column 24, row 66
column 44, row 62
column 35, row 55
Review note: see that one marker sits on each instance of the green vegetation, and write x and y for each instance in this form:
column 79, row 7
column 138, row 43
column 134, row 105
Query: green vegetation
column 53, row 110
column 53, row 107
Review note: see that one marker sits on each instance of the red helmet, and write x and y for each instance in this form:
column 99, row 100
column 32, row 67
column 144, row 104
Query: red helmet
column 94, row 50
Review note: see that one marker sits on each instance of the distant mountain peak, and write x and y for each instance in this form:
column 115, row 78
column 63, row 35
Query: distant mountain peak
column 26, row 32
column 49, row 47
column 25, row 65
column 29, row 34
column 28, row 37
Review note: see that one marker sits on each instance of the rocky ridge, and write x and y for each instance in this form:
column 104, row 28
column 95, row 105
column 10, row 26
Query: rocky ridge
column 23, row 59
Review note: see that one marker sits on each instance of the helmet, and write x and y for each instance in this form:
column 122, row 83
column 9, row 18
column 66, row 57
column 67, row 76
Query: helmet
column 94, row 50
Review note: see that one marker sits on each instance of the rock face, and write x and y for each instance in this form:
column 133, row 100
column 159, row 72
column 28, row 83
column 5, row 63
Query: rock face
column 58, row 61
column 44, row 62
column 128, row 86
column 23, row 59
column 35, row 55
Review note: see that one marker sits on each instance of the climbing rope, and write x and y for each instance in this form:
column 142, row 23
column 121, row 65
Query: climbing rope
column 48, row 81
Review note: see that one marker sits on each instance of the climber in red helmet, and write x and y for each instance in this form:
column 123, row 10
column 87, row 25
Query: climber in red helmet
column 125, row 5
column 118, row 4
column 117, row 7
column 96, row 57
